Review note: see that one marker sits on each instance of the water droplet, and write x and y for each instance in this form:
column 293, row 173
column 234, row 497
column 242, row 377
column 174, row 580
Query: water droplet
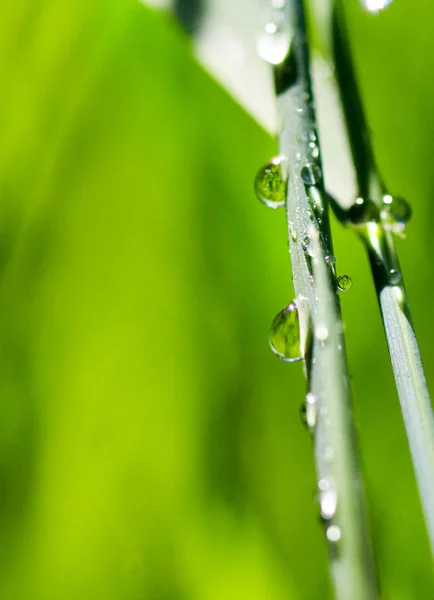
column 284, row 334
column 395, row 276
column 299, row 109
column 321, row 332
column 311, row 174
column 307, row 246
column 310, row 411
column 345, row 283
column 274, row 44
column 314, row 150
column 333, row 533
column 330, row 260
column 363, row 211
column 328, row 497
column 271, row 181
column 375, row 6
column 293, row 231
column 395, row 213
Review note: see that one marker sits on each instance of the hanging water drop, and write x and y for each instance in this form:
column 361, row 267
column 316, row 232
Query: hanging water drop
column 274, row 44
column 328, row 497
column 395, row 276
column 333, row 533
column 345, row 283
column 271, row 181
column 284, row 334
column 363, row 211
column 395, row 213
column 311, row 174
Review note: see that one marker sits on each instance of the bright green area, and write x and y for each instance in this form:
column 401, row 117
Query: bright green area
column 150, row 442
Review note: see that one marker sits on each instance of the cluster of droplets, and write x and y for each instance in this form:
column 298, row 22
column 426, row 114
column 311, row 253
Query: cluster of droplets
column 393, row 214
column 274, row 43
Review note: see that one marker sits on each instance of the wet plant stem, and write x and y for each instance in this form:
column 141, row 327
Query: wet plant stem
column 389, row 283
column 335, row 447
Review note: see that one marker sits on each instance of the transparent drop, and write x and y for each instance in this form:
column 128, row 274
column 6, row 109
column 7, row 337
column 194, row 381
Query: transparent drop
column 274, row 44
column 395, row 276
column 328, row 497
column 284, row 334
column 307, row 246
column 345, row 283
column 333, row 533
column 310, row 411
column 375, row 6
column 311, row 174
column 293, row 231
column 321, row 332
column 363, row 211
column 271, row 181
column 330, row 260
column 395, row 213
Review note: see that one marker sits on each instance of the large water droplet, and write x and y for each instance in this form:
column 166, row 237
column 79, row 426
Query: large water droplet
column 345, row 283
column 333, row 533
column 395, row 213
column 328, row 497
column 375, row 6
column 274, row 44
column 311, row 174
column 270, row 182
column 363, row 211
column 284, row 334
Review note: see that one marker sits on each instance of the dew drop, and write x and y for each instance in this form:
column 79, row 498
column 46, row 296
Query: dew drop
column 328, row 497
column 293, row 231
column 271, row 181
column 307, row 246
column 395, row 276
column 311, row 174
column 310, row 411
column 395, row 213
column 330, row 260
column 363, row 211
column 321, row 332
column 333, row 533
column 345, row 283
column 274, row 44
column 284, row 334
column 375, row 6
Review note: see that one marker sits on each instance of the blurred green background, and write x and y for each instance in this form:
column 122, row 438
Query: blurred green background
column 150, row 443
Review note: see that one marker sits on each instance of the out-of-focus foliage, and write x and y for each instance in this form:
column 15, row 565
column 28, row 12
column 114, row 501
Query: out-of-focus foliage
column 150, row 443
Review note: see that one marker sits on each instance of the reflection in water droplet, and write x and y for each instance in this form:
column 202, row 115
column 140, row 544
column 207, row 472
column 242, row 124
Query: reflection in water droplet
column 271, row 181
column 363, row 211
column 321, row 332
column 375, row 6
column 395, row 276
column 311, row 174
column 284, row 334
column 328, row 497
column 333, row 533
column 345, row 283
column 274, row 44
column 395, row 213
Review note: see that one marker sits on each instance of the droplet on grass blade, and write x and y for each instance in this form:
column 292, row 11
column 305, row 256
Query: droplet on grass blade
column 271, row 181
column 274, row 43
column 284, row 334
column 345, row 283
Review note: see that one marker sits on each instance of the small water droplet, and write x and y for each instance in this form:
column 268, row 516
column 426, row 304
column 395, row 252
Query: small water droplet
column 298, row 156
column 330, row 260
column 328, row 497
column 395, row 276
column 314, row 150
column 310, row 411
column 274, row 44
column 395, row 213
column 375, row 6
column 363, row 211
column 293, row 231
column 311, row 174
column 345, row 283
column 271, row 181
column 321, row 332
column 299, row 109
column 333, row 533
column 284, row 334
column 307, row 246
